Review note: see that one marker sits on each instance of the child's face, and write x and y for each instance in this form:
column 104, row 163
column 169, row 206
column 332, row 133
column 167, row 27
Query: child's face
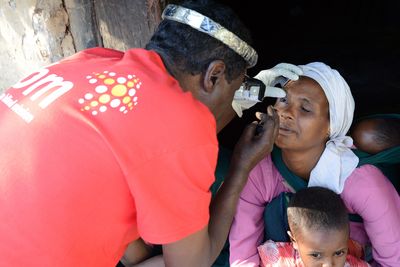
column 322, row 248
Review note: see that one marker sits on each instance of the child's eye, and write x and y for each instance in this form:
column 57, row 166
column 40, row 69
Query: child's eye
column 340, row 253
column 305, row 109
column 315, row 255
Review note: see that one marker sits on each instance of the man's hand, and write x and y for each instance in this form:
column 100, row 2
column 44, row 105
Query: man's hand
column 137, row 251
column 256, row 142
column 271, row 77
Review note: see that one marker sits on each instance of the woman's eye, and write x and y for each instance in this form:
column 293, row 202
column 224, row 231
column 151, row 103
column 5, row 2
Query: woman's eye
column 282, row 99
column 305, row 109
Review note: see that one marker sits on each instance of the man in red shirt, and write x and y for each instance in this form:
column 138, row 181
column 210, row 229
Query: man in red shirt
column 106, row 147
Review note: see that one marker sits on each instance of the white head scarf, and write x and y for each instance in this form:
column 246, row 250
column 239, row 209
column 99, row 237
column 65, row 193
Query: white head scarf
column 337, row 161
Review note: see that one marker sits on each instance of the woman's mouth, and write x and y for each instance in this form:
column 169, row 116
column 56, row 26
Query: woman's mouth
column 285, row 130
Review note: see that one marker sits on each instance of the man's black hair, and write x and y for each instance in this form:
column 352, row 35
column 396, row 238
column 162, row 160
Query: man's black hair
column 317, row 208
column 191, row 51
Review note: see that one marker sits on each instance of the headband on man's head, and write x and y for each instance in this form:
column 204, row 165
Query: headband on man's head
column 204, row 24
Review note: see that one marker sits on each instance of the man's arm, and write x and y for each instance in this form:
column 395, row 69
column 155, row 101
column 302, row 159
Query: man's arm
column 137, row 251
column 156, row 261
column 203, row 247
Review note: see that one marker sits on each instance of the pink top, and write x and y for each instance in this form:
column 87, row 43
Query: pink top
column 367, row 192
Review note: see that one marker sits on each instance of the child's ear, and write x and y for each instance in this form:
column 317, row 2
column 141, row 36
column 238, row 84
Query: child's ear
column 293, row 240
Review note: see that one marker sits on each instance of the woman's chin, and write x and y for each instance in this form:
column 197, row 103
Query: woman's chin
column 280, row 143
column 283, row 140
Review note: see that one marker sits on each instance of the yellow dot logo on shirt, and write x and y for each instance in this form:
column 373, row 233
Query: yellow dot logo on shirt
column 110, row 91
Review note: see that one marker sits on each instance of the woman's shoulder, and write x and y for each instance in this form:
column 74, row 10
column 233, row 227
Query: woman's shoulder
column 266, row 176
column 265, row 169
column 365, row 181
column 367, row 175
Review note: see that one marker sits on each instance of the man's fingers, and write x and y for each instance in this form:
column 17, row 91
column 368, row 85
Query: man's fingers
column 276, row 122
column 249, row 132
column 271, row 122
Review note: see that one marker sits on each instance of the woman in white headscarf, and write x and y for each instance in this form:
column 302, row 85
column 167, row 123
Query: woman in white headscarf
column 312, row 149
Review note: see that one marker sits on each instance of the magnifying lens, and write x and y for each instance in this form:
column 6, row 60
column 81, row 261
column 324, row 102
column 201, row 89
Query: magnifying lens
column 251, row 89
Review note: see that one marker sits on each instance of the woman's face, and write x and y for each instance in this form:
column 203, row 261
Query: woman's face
column 303, row 115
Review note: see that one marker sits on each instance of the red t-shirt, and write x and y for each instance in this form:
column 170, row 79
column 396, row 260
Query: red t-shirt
column 98, row 150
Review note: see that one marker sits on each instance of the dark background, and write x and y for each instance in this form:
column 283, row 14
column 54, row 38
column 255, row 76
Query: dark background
column 361, row 39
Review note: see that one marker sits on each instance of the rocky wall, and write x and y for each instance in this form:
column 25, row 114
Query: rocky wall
column 35, row 33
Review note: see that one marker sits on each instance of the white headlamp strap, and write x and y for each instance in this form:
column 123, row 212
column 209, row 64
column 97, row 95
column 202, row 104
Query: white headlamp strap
column 212, row 28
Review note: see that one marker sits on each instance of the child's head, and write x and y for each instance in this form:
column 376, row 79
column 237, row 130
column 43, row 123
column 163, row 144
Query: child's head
column 319, row 227
column 374, row 135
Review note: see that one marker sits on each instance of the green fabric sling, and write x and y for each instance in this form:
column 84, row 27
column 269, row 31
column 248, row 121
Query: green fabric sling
column 276, row 227
column 275, row 215
column 294, row 181
column 388, row 161
column 224, row 158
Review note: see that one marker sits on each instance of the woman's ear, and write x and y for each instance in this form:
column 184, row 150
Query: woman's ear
column 214, row 73
column 329, row 130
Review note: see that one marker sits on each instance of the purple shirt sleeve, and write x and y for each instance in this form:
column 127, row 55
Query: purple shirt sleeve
column 370, row 194
column 247, row 230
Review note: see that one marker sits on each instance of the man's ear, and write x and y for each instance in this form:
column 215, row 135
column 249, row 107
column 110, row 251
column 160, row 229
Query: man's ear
column 214, row 73
column 294, row 242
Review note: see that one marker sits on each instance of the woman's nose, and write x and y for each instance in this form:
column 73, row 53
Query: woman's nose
column 285, row 112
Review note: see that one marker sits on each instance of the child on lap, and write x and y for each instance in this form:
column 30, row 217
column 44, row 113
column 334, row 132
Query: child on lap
column 319, row 230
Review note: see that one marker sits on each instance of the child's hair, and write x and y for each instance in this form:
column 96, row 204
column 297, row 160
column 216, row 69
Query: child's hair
column 374, row 135
column 317, row 208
